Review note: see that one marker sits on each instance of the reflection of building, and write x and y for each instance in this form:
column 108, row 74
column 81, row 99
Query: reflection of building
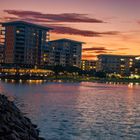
column 65, row 52
column 88, row 65
column 119, row 64
column 25, row 42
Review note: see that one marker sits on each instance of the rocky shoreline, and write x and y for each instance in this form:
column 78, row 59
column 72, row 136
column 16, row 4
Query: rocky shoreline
column 13, row 124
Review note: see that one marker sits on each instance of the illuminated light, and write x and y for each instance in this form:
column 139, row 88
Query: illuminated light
column 122, row 66
column 130, row 85
column 137, row 58
column 134, row 76
column 60, row 81
column 137, row 84
column 17, row 31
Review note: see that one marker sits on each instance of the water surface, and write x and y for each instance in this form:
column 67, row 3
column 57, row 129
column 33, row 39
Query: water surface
column 80, row 111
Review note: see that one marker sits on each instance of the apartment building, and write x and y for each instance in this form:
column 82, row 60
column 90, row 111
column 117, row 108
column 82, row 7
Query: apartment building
column 25, row 43
column 65, row 52
column 119, row 64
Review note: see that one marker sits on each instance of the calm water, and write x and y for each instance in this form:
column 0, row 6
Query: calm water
column 80, row 111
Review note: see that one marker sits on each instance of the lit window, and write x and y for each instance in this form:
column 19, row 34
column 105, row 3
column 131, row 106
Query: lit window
column 137, row 58
column 122, row 59
column 17, row 31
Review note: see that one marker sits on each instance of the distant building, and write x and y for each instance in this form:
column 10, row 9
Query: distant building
column 25, row 43
column 88, row 65
column 117, row 64
column 65, row 52
column 136, row 67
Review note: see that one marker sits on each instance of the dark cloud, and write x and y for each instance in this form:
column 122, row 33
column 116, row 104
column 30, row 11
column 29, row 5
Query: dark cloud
column 73, row 31
column 101, row 51
column 94, row 49
column 62, row 29
column 97, row 50
column 46, row 19
column 64, row 17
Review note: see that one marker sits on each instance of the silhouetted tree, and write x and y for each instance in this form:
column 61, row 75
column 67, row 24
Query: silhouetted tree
column 100, row 74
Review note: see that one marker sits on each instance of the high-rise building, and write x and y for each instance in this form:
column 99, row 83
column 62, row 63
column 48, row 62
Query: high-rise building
column 1, row 53
column 119, row 64
column 25, row 43
column 65, row 52
column 2, row 38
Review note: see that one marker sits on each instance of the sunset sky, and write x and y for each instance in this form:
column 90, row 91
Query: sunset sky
column 106, row 26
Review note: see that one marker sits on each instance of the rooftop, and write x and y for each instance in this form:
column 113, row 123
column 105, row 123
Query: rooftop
column 25, row 23
column 66, row 40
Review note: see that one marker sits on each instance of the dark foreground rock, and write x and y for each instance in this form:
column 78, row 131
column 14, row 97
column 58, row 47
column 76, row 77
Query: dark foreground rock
column 13, row 124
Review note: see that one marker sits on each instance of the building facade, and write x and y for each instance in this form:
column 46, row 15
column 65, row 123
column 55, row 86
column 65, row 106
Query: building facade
column 136, row 67
column 25, row 43
column 1, row 54
column 117, row 64
column 2, row 38
column 65, row 52
column 88, row 65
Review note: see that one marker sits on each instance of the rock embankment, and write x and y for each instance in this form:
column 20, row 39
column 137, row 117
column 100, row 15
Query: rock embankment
column 13, row 124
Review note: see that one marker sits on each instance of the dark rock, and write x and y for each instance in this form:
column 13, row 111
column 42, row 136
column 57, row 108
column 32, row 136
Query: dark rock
column 14, row 125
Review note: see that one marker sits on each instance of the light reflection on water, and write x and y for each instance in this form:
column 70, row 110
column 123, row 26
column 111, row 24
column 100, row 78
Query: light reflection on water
column 80, row 111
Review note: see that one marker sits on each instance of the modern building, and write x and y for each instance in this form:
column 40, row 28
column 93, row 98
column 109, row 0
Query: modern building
column 65, row 52
column 1, row 53
column 2, row 38
column 88, row 65
column 117, row 64
column 25, row 43
column 136, row 67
